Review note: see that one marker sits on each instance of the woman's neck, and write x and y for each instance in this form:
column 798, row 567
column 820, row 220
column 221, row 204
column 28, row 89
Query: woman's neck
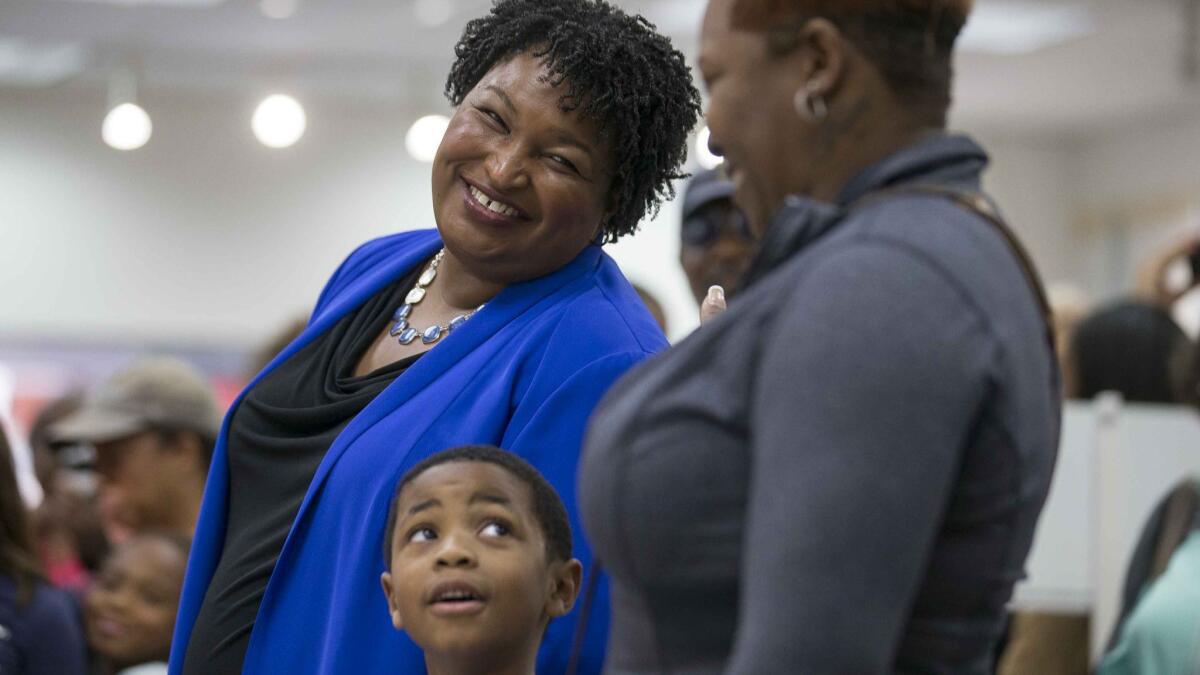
column 870, row 135
column 460, row 289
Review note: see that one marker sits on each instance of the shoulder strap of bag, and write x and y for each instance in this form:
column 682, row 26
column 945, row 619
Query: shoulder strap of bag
column 983, row 207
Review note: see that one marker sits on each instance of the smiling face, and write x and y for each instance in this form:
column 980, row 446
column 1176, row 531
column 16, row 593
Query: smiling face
column 752, row 116
column 519, row 186
column 470, row 575
column 129, row 613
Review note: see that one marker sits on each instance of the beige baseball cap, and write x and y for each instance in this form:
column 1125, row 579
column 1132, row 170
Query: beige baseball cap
column 156, row 393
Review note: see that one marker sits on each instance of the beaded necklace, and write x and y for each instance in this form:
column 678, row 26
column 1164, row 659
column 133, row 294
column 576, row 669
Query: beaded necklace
column 402, row 331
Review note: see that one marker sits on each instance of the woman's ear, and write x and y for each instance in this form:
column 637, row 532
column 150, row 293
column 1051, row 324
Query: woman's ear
column 393, row 610
column 565, row 578
column 825, row 48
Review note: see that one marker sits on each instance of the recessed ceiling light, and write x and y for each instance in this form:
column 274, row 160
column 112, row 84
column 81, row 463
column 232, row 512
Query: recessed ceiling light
column 1023, row 27
column 279, row 121
column 126, row 127
column 424, row 137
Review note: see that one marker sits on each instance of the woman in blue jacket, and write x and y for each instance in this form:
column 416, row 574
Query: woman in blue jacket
column 503, row 326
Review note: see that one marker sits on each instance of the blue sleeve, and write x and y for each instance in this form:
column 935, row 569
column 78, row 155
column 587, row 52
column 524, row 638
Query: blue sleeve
column 52, row 637
column 550, row 436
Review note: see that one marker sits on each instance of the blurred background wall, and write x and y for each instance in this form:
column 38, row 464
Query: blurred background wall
column 206, row 239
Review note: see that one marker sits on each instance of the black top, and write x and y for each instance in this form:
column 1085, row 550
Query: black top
column 41, row 637
column 841, row 473
column 277, row 438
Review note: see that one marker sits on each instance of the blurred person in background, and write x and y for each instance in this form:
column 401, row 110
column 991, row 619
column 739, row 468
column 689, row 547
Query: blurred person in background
column 67, row 525
column 1133, row 348
column 39, row 625
column 153, row 426
column 504, row 327
column 654, row 306
column 845, row 467
column 1170, row 272
column 715, row 243
column 1070, row 306
column 129, row 613
column 1158, row 630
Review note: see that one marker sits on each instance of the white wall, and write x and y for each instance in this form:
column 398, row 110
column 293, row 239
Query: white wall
column 1034, row 182
column 203, row 235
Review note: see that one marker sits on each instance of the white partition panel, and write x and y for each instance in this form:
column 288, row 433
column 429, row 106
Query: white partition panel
column 1115, row 463
column 1141, row 454
column 1059, row 566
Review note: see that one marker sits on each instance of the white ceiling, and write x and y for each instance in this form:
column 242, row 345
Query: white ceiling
column 1128, row 71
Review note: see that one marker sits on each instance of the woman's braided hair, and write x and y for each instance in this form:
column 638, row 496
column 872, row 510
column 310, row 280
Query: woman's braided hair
column 616, row 69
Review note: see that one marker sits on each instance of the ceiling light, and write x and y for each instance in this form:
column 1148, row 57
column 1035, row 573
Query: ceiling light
column 126, row 127
column 424, row 137
column 704, row 155
column 279, row 121
column 1024, row 27
column 433, row 12
column 278, row 9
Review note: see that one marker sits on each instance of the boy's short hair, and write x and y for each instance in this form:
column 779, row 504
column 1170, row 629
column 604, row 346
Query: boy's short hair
column 547, row 505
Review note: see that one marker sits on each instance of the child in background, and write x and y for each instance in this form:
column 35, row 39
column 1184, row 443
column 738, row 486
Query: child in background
column 129, row 614
column 477, row 556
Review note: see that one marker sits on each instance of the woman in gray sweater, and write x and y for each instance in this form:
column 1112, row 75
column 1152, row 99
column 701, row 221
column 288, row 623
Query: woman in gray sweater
column 841, row 473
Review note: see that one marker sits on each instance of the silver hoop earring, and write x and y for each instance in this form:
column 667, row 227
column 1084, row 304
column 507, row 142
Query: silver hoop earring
column 810, row 105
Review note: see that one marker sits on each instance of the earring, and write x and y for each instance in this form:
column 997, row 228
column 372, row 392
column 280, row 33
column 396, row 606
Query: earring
column 810, row 105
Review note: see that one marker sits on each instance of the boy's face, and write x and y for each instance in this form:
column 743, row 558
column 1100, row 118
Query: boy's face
column 129, row 613
column 469, row 572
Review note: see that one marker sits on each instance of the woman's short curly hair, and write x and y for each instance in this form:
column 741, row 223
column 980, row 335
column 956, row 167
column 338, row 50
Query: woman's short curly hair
column 617, row 69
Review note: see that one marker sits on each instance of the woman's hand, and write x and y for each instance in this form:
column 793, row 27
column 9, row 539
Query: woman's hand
column 1153, row 284
column 713, row 305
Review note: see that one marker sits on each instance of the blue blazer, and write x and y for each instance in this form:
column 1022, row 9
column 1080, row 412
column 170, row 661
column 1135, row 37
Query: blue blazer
column 524, row 373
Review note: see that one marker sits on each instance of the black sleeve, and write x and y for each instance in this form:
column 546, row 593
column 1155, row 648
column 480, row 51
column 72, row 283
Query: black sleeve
column 52, row 638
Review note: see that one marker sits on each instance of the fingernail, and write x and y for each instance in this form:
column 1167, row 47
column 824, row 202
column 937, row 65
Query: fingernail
column 716, row 293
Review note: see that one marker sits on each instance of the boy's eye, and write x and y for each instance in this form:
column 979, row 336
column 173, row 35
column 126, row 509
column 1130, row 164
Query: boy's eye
column 495, row 529
column 422, row 534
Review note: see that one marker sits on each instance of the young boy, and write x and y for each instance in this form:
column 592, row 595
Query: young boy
column 477, row 556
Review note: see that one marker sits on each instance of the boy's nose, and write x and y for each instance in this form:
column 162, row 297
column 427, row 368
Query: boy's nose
column 454, row 553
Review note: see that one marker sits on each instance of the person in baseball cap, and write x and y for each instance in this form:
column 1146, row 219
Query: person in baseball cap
column 715, row 242
column 154, row 426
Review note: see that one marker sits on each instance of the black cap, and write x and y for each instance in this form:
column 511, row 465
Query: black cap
column 704, row 188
